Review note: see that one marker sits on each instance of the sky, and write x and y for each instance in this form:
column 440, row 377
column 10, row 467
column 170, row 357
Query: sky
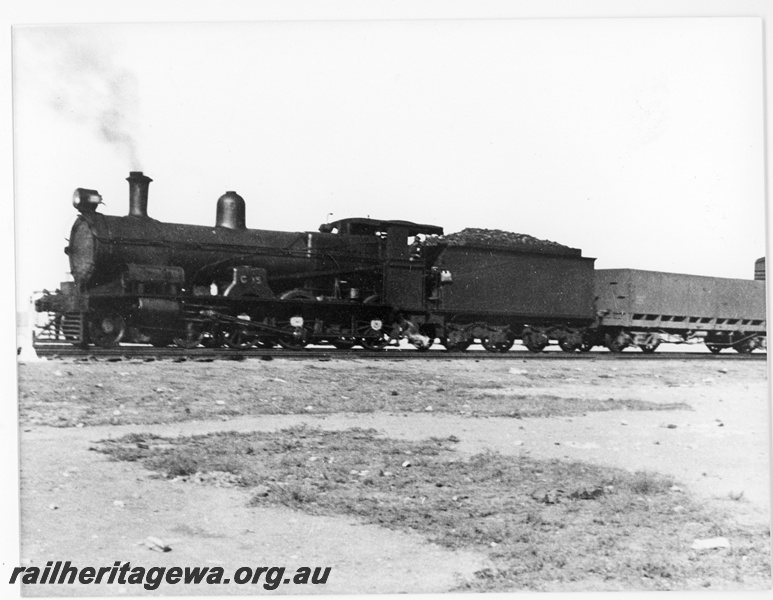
column 640, row 141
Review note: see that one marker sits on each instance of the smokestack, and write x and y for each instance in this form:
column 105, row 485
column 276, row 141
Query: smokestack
column 138, row 194
column 231, row 211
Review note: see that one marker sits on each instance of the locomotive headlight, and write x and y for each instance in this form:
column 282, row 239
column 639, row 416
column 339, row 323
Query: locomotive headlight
column 86, row 201
column 296, row 321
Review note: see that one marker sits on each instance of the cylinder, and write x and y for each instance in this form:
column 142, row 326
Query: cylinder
column 231, row 211
column 138, row 194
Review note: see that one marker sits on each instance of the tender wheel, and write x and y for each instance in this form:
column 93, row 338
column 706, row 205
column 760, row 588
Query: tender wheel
column 714, row 349
column 570, row 340
column 649, row 348
column 456, row 341
column 535, row 341
column 107, row 330
column 498, row 342
column 190, row 338
column 459, row 346
column 586, row 347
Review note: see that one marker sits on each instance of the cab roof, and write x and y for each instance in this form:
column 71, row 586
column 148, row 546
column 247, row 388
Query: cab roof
column 364, row 226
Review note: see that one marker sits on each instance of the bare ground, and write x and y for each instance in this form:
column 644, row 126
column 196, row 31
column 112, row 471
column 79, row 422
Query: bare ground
column 716, row 445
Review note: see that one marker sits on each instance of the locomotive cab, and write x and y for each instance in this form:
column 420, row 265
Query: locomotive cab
column 400, row 236
column 404, row 268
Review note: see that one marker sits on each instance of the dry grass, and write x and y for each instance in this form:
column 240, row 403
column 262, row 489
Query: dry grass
column 545, row 524
column 68, row 394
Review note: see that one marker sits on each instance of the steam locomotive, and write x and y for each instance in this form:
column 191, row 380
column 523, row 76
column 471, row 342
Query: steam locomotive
column 368, row 282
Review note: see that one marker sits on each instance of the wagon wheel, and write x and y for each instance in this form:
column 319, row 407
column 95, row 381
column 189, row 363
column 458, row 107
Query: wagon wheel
column 107, row 330
column 744, row 347
column 652, row 343
column 535, row 341
column 191, row 336
column 714, row 349
column 588, row 341
column 617, row 342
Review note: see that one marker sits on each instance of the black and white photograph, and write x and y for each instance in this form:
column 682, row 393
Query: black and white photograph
column 388, row 301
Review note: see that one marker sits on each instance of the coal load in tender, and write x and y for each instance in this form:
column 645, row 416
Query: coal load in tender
column 472, row 236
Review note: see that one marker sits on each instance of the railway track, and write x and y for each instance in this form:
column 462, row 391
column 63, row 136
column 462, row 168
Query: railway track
column 54, row 351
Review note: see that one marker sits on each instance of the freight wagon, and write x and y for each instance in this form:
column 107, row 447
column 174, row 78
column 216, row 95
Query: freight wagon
column 644, row 308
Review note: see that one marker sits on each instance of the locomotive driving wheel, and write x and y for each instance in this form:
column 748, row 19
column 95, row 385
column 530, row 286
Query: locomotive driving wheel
column 238, row 336
column 344, row 342
column 190, row 337
column 107, row 330
column 212, row 336
column 265, row 342
column 296, row 335
column 371, row 337
column 295, row 340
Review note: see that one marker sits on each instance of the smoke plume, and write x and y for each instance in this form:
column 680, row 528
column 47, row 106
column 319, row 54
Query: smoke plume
column 89, row 86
